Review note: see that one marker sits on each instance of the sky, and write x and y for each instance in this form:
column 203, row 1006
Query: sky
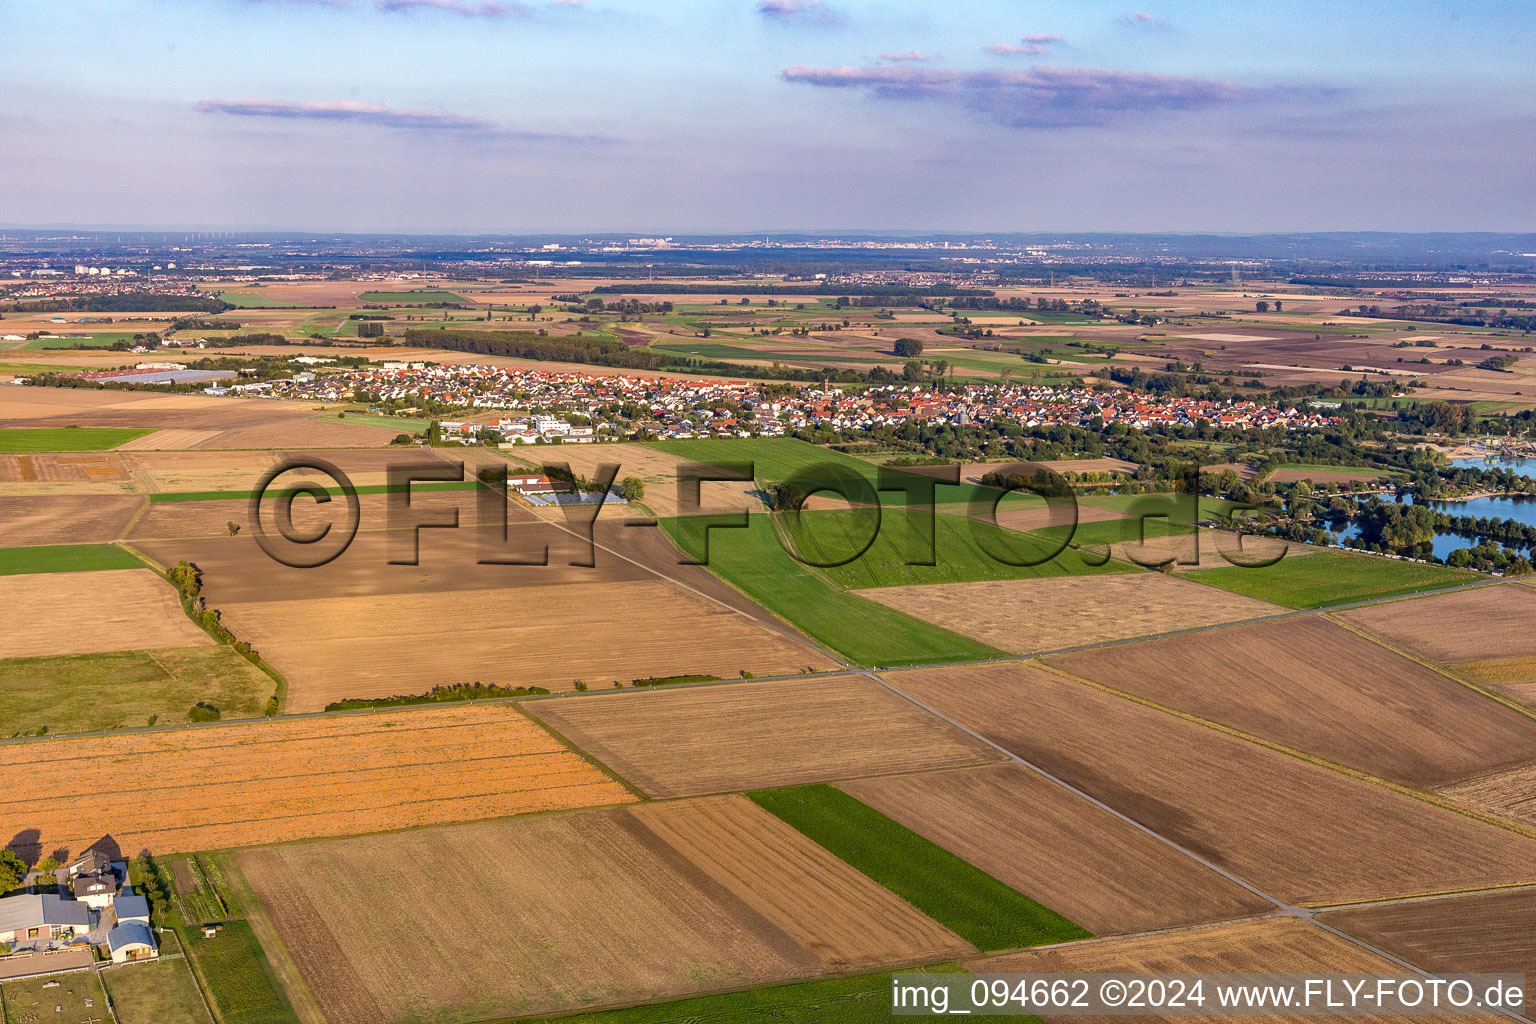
column 703, row 116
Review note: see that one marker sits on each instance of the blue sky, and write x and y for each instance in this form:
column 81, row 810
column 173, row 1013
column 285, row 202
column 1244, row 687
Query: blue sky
column 759, row 115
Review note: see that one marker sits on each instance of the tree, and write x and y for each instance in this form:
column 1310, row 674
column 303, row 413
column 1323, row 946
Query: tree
column 1279, row 305
column 632, row 488
column 233, row 527
column 1261, row 306
column 12, row 870
column 908, row 348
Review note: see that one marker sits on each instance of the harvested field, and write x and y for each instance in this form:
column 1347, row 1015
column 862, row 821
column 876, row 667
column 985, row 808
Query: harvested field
column 1282, row 681
column 1057, row 848
column 756, row 735
column 1026, row 616
column 1275, row 820
column 1511, row 793
column 1267, row 945
column 1489, row 933
column 54, row 468
column 1469, row 625
column 114, row 610
column 1326, row 475
column 187, row 520
column 301, row 432
column 199, row 471
column 656, row 467
column 829, row 908
column 551, row 636
column 614, row 913
column 65, row 518
column 268, row 782
column 167, row 440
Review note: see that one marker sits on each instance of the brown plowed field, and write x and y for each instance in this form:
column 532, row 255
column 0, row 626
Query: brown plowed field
column 301, row 432
column 1026, row 616
column 756, row 735
column 827, row 907
column 1315, row 686
column 198, row 471
column 65, row 518
column 241, row 785
column 1272, row 819
column 1493, row 933
column 563, row 911
column 550, row 636
column 1268, row 945
column 1469, row 625
column 89, row 612
column 191, row 520
column 1511, row 793
column 87, row 467
column 1058, row 849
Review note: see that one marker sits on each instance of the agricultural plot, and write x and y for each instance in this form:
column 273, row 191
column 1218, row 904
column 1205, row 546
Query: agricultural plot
column 1270, row 818
column 754, row 561
column 651, row 464
column 65, row 439
column 31, row 521
column 63, row 558
column 119, row 610
column 238, row 785
column 757, row 735
column 623, row 907
column 235, row 972
column 1330, row 475
column 1325, row 578
column 978, row 907
column 1029, row 616
column 1314, row 686
column 92, row 692
column 1478, row 933
column 61, row 473
column 1058, row 848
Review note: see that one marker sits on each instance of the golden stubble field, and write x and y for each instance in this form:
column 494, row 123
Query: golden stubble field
column 90, row 612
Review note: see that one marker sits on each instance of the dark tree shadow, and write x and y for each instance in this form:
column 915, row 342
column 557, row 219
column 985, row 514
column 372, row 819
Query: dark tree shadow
column 28, row 845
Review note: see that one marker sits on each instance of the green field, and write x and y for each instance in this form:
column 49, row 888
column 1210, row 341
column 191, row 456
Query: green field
column 66, row 439
column 963, row 898
column 402, row 424
column 1325, row 577
column 93, row 692
column 864, row 631
column 864, row 999
column 235, row 973
column 30, row 1001
column 163, row 992
column 173, row 497
column 963, row 549
column 65, row 558
column 425, row 295
column 104, row 339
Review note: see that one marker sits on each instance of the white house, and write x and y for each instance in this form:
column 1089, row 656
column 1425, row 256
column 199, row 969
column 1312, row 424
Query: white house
column 131, row 940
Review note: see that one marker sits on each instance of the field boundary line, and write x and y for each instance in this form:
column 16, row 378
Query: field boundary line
column 582, row 753
column 133, row 520
column 1496, row 697
column 1423, row 795
column 1428, row 897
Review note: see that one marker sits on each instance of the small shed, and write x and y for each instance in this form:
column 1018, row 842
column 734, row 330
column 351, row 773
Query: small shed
column 131, row 940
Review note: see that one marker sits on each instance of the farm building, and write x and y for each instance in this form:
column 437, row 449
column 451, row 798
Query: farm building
column 131, row 940
column 42, row 918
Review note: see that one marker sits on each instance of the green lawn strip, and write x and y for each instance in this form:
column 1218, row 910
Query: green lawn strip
column 861, row 999
column 235, row 974
column 1324, row 577
column 66, row 439
column 255, row 300
column 865, row 632
column 415, row 488
column 65, row 558
column 433, row 295
column 404, row 424
column 960, row 896
column 125, row 689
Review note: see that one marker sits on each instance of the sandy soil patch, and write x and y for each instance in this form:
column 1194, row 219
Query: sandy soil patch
column 1027, row 616
column 756, row 735
column 88, row 612
column 240, row 785
column 1315, row 686
column 1272, row 819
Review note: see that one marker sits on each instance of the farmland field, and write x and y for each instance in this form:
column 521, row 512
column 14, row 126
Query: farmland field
column 753, row 560
column 978, row 907
column 401, row 298
column 89, row 692
column 1280, row 680
column 1053, row 846
column 34, row 521
column 758, row 735
column 61, row 558
column 117, row 610
column 1271, row 818
column 1331, row 577
column 586, row 909
column 237, row 785
column 235, row 972
column 1028, row 616
column 65, row 439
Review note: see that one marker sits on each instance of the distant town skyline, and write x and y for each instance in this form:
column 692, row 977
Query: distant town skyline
column 735, row 116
